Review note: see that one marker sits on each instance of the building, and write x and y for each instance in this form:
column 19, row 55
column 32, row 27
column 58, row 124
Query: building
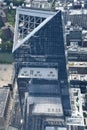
column 84, row 44
column 8, row 32
column 40, row 64
column 77, row 64
column 4, row 104
column 74, row 36
column 5, row 80
column 76, row 53
column 43, row 4
column 76, row 118
column 40, row 4
column 78, row 17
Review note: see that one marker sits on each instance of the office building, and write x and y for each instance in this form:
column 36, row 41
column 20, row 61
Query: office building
column 40, row 64
column 74, row 36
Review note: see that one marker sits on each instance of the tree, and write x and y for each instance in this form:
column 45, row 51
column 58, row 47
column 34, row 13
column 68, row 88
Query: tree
column 6, row 46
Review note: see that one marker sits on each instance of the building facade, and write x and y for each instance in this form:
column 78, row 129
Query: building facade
column 4, row 107
column 40, row 64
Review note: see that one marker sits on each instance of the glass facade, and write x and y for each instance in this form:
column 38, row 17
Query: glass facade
column 48, row 42
column 45, row 49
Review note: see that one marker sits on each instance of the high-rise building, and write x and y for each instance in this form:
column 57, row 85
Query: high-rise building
column 40, row 64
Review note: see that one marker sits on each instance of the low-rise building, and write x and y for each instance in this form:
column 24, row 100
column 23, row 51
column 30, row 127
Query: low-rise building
column 76, row 53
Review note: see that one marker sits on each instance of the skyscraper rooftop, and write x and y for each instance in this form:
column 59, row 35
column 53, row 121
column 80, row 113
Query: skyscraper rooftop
column 29, row 22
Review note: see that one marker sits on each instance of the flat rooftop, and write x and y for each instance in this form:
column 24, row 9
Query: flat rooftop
column 77, row 49
column 41, row 73
column 76, row 102
column 45, row 100
column 49, row 109
column 4, row 92
column 77, row 64
column 46, row 105
column 6, row 72
column 78, row 12
column 79, row 77
column 34, row 12
column 75, row 121
column 76, row 108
